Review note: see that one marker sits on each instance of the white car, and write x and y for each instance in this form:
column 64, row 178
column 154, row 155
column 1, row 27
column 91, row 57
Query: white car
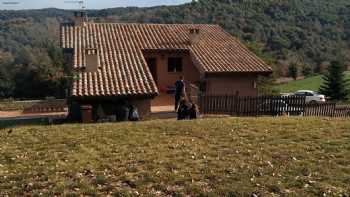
column 311, row 96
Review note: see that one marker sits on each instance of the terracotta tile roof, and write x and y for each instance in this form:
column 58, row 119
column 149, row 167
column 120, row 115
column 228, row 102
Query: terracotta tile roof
column 123, row 69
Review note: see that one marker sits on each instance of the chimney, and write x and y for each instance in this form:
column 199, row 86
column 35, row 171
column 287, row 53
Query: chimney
column 80, row 18
column 91, row 59
column 194, row 36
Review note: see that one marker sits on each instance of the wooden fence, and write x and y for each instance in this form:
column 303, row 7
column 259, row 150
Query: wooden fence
column 268, row 106
column 47, row 106
column 341, row 111
column 327, row 109
column 320, row 109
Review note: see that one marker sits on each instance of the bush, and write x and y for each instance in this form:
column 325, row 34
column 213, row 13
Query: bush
column 293, row 71
column 307, row 70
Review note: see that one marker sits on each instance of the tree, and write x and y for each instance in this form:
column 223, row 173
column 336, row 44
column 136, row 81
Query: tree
column 313, row 31
column 6, row 81
column 335, row 85
column 293, row 71
column 307, row 70
column 265, row 85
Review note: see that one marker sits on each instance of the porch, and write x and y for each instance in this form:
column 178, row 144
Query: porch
column 163, row 103
column 166, row 67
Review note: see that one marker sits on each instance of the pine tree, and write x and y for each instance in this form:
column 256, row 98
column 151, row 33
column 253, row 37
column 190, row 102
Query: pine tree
column 335, row 85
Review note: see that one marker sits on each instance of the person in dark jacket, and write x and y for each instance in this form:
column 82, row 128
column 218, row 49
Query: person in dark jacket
column 122, row 111
column 182, row 111
column 179, row 91
column 193, row 111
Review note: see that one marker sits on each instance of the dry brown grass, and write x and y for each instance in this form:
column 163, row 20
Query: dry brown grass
column 209, row 157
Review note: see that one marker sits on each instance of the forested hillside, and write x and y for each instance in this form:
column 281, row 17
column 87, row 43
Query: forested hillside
column 303, row 33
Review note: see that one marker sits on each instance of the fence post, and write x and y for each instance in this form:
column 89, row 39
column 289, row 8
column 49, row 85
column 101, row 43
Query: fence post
column 236, row 104
column 200, row 99
column 256, row 106
column 334, row 105
column 226, row 104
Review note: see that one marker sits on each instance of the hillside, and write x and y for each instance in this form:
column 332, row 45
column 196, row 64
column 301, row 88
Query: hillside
column 308, row 33
column 311, row 83
column 209, row 157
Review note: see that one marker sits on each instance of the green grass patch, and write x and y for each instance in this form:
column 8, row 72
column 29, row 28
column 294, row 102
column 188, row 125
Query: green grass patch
column 208, row 157
column 311, row 83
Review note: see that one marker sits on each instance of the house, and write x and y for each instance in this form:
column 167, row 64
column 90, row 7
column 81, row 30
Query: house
column 116, row 62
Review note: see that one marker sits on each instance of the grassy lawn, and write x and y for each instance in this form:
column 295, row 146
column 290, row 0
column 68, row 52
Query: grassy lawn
column 310, row 83
column 33, row 121
column 209, row 157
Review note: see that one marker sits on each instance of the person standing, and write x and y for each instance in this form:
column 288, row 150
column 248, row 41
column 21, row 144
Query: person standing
column 179, row 91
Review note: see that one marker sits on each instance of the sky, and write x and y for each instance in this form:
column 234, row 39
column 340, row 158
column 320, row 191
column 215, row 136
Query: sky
column 91, row 4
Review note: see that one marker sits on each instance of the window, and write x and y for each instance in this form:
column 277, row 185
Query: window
column 175, row 64
column 304, row 94
column 309, row 94
column 300, row 94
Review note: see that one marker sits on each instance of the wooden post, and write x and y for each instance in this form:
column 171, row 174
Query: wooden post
column 334, row 108
column 237, row 103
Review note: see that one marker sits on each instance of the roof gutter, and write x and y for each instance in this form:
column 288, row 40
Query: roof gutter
column 113, row 98
column 230, row 73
